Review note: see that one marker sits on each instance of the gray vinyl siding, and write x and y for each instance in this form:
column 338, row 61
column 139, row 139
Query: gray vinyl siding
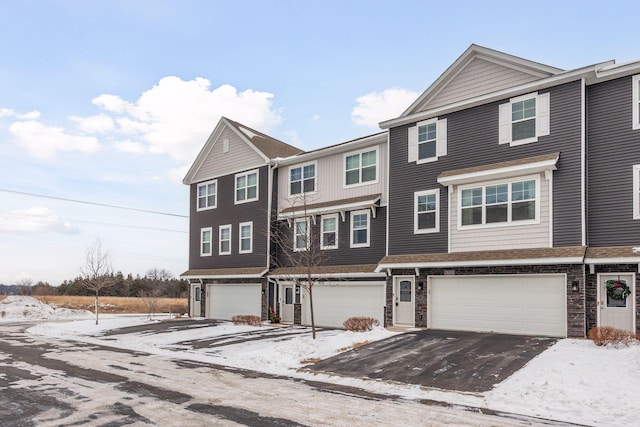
column 472, row 140
column 613, row 148
column 229, row 213
column 344, row 254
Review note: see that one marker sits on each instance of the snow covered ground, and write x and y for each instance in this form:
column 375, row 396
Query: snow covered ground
column 573, row 381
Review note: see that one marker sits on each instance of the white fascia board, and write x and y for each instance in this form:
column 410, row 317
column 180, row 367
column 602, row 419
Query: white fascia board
column 333, row 149
column 497, row 262
column 204, row 152
column 226, row 276
column 601, row 261
column 494, row 96
column 613, row 71
column 329, row 209
column 330, row 275
column 528, row 168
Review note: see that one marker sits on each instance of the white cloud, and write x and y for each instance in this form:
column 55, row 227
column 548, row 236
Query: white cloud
column 38, row 219
column 176, row 116
column 293, row 138
column 32, row 115
column 94, row 124
column 129, row 146
column 315, row 117
column 44, row 142
column 376, row 107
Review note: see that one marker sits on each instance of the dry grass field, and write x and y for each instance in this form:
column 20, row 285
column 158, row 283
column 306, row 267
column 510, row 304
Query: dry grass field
column 114, row 304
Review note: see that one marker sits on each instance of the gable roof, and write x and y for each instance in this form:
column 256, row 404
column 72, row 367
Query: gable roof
column 266, row 147
column 464, row 73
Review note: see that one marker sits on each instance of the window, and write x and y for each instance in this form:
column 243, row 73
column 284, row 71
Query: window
column 524, row 118
column 635, row 93
column 427, row 215
column 207, row 192
column 636, row 191
column 510, row 202
column 359, row 229
column 360, row 168
column 245, row 234
column 329, row 231
column 301, row 234
column 302, row 179
column 427, row 140
column 205, row 241
column 224, row 244
column 246, row 187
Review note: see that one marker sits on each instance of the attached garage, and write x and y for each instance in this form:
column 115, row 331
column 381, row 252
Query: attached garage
column 228, row 300
column 335, row 302
column 510, row 304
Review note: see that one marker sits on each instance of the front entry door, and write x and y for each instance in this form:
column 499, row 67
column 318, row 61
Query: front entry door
column 195, row 300
column 616, row 312
column 287, row 303
column 403, row 300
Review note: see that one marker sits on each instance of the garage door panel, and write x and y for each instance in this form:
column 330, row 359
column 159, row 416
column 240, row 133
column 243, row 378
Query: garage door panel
column 529, row 305
column 228, row 300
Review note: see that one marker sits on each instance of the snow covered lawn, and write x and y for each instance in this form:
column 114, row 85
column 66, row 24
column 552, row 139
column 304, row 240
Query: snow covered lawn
column 574, row 380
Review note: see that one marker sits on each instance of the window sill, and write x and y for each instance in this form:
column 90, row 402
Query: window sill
column 523, row 141
column 499, row 225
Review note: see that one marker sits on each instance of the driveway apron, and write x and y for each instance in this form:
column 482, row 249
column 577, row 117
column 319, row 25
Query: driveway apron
column 448, row 360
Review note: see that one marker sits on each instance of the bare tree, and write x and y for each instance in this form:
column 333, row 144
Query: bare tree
column 24, row 286
column 97, row 272
column 299, row 243
column 157, row 280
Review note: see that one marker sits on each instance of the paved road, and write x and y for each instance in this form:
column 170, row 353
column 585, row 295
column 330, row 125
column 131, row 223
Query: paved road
column 49, row 382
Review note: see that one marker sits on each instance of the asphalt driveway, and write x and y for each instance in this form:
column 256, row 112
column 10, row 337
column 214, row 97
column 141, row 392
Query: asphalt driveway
column 462, row 361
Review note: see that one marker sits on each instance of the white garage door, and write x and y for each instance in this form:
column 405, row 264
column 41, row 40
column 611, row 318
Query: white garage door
column 228, row 300
column 335, row 302
column 519, row 304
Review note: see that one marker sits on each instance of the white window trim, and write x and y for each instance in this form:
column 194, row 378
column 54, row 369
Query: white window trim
column 322, row 218
column 360, row 245
column 508, row 223
column 436, row 229
column 202, row 232
column 302, row 193
column 542, row 119
column 224, row 227
column 636, row 191
column 295, row 237
column 250, row 225
column 360, row 152
column 635, row 94
column 441, row 141
column 206, row 184
column 235, row 186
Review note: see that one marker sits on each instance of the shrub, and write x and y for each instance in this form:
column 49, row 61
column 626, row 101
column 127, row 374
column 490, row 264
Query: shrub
column 246, row 319
column 606, row 335
column 360, row 324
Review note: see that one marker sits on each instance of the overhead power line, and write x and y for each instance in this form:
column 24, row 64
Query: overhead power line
column 85, row 202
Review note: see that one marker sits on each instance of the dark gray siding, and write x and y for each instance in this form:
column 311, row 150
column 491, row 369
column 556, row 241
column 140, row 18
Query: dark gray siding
column 473, row 141
column 344, row 255
column 229, row 213
column 613, row 148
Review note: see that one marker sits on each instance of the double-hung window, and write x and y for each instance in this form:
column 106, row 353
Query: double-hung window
column 302, row 179
column 224, row 242
column 205, row 241
column 246, row 186
column 329, row 231
column 427, row 140
column 245, row 236
column 427, row 216
column 500, row 203
column 360, row 226
column 361, row 167
column 207, row 195
column 301, row 234
column 635, row 93
column 524, row 118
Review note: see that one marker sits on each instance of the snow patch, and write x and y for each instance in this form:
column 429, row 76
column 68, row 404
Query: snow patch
column 16, row 308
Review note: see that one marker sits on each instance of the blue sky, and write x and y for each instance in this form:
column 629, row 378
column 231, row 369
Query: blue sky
column 110, row 101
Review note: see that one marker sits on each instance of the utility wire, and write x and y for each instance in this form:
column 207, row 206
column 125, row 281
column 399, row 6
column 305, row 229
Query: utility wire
column 84, row 202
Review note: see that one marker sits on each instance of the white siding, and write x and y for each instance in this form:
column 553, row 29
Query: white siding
column 239, row 157
column 329, row 181
column 479, row 77
column 506, row 237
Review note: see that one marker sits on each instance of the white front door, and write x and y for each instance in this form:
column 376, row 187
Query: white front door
column 195, row 300
column 615, row 310
column 287, row 303
column 403, row 300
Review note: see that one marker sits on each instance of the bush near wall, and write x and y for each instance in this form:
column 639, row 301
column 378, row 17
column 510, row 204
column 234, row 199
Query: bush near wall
column 360, row 324
column 246, row 320
column 606, row 335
